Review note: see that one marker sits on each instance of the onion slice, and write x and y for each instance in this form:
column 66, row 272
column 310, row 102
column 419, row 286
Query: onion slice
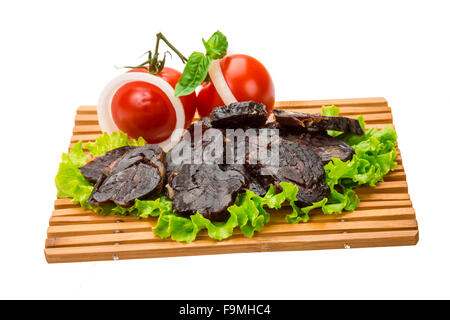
column 104, row 104
column 217, row 78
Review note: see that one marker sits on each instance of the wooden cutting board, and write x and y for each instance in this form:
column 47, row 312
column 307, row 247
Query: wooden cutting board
column 385, row 216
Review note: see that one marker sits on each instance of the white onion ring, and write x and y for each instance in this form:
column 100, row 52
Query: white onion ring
column 104, row 104
column 219, row 82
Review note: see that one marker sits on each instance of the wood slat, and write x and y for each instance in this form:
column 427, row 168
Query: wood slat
column 342, row 103
column 395, row 176
column 385, row 216
column 371, row 215
column 87, row 217
column 387, row 186
column 80, row 229
column 349, row 111
column 87, row 109
column 383, row 196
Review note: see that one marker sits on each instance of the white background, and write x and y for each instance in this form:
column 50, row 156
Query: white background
column 57, row 55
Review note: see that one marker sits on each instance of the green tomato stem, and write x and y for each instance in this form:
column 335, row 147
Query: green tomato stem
column 153, row 64
column 160, row 36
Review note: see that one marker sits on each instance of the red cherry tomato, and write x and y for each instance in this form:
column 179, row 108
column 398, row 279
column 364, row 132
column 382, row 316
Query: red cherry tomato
column 143, row 110
column 247, row 79
column 207, row 99
column 172, row 76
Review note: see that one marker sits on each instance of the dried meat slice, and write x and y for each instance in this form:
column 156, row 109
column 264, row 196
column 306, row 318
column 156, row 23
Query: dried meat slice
column 138, row 174
column 316, row 122
column 300, row 166
column 327, row 147
column 247, row 114
column 192, row 149
column 93, row 170
column 204, row 124
column 204, row 188
column 250, row 173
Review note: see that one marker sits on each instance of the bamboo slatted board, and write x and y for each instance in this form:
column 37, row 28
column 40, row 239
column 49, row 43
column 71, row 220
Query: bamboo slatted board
column 385, row 216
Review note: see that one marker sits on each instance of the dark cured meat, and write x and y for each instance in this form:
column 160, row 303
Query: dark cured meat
column 326, row 146
column 173, row 166
column 315, row 122
column 138, row 174
column 204, row 188
column 173, row 157
column 93, row 170
column 284, row 131
column 204, row 122
column 301, row 166
column 297, row 164
column 246, row 163
column 247, row 114
column 250, row 174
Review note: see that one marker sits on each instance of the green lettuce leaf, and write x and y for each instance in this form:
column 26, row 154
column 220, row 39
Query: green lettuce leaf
column 331, row 111
column 152, row 208
column 69, row 181
column 107, row 142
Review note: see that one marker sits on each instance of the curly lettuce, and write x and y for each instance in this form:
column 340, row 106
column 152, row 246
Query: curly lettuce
column 69, row 180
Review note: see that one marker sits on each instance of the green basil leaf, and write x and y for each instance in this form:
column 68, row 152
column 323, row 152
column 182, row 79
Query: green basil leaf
column 216, row 47
column 194, row 73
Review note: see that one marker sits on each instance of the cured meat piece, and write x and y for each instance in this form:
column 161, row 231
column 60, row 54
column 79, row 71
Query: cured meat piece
column 250, row 173
column 123, row 187
column 272, row 125
column 243, row 154
column 247, row 114
column 204, row 122
column 301, row 166
column 204, row 188
column 151, row 154
column 189, row 150
column 290, row 133
column 175, row 158
column 138, row 174
column 326, row 146
column 93, row 170
column 316, row 122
